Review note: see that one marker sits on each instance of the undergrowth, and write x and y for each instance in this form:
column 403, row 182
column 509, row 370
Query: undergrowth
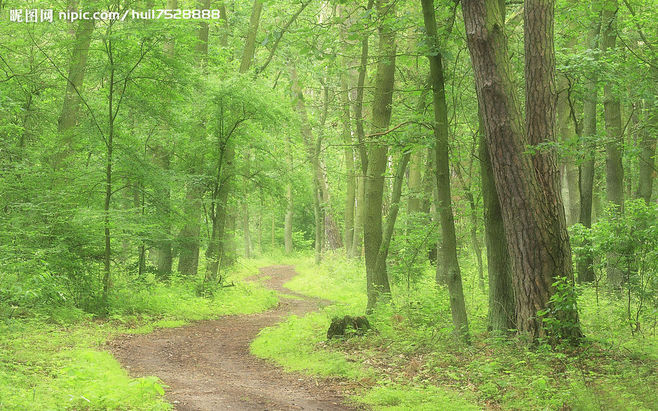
column 413, row 362
column 55, row 358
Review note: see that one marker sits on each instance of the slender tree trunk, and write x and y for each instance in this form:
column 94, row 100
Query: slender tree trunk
column 188, row 260
column 415, row 199
column 357, row 243
column 396, row 192
column 646, row 159
column 69, row 114
column 567, row 132
column 614, row 177
column 586, row 174
column 246, row 230
column 501, row 292
column 350, row 177
column 109, row 145
column 287, row 236
column 376, row 275
column 447, row 271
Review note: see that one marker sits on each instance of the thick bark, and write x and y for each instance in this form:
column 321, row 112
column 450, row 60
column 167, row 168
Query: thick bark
column 447, row 271
column 527, row 191
column 376, row 275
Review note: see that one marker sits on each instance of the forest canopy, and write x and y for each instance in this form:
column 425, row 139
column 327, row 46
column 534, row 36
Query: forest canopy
column 489, row 148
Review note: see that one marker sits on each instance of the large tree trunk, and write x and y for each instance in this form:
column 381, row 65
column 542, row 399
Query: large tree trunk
column 535, row 230
column 376, row 275
column 447, row 271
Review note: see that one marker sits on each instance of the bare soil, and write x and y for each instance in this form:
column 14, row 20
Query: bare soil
column 207, row 365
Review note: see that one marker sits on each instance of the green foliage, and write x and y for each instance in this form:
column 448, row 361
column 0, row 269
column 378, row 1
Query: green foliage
column 414, row 362
column 294, row 344
column 54, row 358
column 627, row 242
column 558, row 318
column 396, row 397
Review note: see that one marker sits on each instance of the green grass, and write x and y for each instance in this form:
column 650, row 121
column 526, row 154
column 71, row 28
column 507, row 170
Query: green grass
column 413, row 362
column 55, row 359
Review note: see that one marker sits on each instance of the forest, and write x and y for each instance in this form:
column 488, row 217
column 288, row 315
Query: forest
column 328, row 204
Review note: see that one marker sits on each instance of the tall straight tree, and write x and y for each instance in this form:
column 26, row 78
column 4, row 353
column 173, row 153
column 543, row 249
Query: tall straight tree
column 532, row 210
column 584, row 267
column 376, row 275
column 614, row 170
column 447, row 270
column 188, row 259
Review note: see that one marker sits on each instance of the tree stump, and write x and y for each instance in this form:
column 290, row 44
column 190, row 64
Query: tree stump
column 348, row 326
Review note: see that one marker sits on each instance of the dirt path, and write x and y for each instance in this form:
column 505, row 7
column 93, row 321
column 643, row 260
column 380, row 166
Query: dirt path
column 207, row 365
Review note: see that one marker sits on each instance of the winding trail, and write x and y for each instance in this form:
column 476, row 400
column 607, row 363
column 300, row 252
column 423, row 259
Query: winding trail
column 207, row 365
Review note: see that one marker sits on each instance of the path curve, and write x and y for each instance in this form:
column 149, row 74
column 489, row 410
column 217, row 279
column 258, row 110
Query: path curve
column 207, row 365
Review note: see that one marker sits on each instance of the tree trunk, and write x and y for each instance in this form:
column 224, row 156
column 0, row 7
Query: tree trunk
column 350, row 177
column 415, row 199
column 109, row 145
column 567, row 133
column 447, row 271
column 287, row 235
column 501, row 292
column 357, row 243
column 376, row 276
column 188, row 260
column 534, row 229
column 646, row 159
column 162, row 251
column 69, row 115
column 586, row 174
column 614, row 171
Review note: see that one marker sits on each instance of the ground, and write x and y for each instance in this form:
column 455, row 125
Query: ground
column 207, row 365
